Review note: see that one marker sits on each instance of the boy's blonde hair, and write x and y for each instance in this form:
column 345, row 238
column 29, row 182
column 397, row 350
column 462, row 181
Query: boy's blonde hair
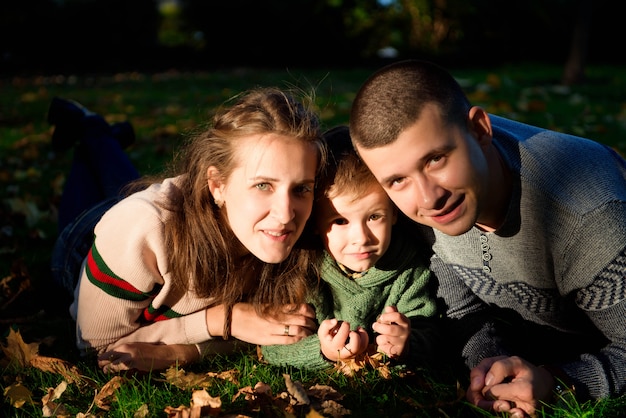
column 345, row 173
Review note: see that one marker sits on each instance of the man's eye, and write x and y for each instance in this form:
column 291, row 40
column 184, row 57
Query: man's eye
column 436, row 159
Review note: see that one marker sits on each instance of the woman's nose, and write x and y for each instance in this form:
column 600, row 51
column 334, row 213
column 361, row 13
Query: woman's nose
column 283, row 209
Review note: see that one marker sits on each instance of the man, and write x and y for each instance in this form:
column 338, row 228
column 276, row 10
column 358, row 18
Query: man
column 528, row 231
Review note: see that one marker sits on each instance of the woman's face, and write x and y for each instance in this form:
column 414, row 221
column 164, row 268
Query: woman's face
column 269, row 195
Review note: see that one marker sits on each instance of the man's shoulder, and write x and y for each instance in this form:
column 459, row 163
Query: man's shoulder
column 508, row 132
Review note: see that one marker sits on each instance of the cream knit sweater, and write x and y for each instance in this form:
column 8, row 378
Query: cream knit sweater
column 125, row 292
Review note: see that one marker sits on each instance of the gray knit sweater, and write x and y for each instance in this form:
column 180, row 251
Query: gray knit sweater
column 558, row 261
column 401, row 279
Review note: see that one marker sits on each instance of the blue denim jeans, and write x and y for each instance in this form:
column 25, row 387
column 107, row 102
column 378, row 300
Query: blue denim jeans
column 73, row 244
column 100, row 168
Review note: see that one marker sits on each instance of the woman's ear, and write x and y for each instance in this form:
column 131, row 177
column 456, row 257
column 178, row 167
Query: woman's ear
column 216, row 186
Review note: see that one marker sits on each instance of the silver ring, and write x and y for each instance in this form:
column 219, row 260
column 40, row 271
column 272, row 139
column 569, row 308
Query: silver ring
column 286, row 329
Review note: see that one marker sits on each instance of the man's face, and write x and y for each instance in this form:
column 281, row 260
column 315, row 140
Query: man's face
column 435, row 173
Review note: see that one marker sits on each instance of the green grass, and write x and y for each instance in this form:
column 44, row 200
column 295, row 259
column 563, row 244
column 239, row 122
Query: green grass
column 163, row 107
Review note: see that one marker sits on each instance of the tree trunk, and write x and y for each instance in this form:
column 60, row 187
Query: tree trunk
column 574, row 71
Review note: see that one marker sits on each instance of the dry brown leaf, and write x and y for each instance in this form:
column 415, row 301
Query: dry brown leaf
column 17, row 395
column 49, row 407
column 324, row 399
column 27, row 355
column 260, row 399
column 263, row 388
column 334, row 409
column 324, row 392
column 17, row 350
column 142, row 412
column 296, row 390
column 183, row 380
column 246, row 392
column 203, row 403
column 62, row 367
column 178, row 412
column 231, row 376
column 202, row 398
column 370, row 357
column 106, row 395
column 312, row 413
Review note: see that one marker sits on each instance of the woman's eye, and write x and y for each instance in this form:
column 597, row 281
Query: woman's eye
column 304, row 189
column 263, row 186
column 339, row 221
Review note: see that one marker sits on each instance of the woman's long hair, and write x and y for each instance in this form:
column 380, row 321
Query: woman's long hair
column 202, row 247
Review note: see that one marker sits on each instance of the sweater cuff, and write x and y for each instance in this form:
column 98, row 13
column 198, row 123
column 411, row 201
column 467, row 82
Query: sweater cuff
column 196, row 330
column 304, row 354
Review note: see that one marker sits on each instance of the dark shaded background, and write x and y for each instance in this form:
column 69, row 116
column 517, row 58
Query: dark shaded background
column 62, row 36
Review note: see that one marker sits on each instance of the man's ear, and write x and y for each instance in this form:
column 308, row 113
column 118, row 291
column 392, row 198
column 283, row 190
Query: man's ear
column 480, row 125
column 216, row 186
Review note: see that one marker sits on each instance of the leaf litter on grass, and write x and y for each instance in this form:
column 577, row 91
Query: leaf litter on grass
column 317, row 401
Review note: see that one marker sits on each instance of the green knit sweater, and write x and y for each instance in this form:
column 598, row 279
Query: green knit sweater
column 400, row 279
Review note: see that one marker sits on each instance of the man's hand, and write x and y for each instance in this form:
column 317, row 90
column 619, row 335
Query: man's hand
column 511, row 385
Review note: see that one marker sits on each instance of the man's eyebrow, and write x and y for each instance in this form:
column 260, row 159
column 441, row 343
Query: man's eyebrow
column 420, row 161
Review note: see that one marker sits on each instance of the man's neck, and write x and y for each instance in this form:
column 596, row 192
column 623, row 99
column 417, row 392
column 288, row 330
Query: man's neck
column 499, row 194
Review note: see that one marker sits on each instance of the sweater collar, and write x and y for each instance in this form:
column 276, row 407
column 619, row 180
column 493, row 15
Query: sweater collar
column 351, row 274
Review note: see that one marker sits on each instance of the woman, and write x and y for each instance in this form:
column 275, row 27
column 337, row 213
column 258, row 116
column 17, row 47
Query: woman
column 212, row 251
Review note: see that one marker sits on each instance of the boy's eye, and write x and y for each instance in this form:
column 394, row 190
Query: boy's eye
column 397, row 180
column 375, row 217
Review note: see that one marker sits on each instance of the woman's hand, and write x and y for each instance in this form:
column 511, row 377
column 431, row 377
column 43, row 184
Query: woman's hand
column 146, row 356
column 337, row 342
column 394, row 329
column 247, row 325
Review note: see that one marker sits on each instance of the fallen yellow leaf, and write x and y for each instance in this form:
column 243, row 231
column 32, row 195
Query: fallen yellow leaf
column 49, row 407
column 106, row 395
column 18, row 394
column 17, row 350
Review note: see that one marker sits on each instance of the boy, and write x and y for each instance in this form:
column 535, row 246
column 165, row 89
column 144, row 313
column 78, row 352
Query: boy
column 373, row 288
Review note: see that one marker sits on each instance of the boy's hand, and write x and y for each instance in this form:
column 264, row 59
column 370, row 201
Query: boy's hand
column 394, row 329
column 337, row 342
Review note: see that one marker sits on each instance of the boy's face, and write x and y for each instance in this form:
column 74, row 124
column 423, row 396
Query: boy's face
column 356, row 233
